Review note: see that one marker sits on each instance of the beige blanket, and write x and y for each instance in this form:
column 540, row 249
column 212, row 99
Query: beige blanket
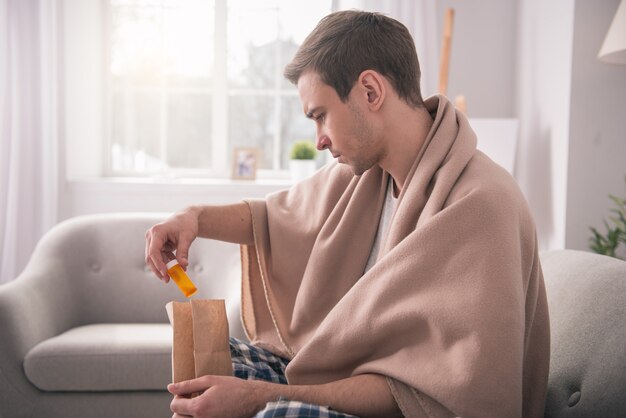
column 454, row 312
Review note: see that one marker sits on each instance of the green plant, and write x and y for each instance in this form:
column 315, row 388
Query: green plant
column 608, row 243
column 303, row 150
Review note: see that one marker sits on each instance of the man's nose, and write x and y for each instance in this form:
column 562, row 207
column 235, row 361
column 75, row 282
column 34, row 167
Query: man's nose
column 322, row 142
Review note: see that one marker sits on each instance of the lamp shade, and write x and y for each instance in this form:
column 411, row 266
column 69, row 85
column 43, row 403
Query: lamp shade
column 613, row 49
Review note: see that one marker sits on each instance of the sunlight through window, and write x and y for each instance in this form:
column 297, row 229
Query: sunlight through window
column 189, row 80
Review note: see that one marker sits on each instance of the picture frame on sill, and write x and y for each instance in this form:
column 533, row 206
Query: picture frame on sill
column 245, row 163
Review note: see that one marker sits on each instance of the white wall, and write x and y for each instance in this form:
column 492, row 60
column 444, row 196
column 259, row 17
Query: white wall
column 572, row 150
column 543, row 107
column 597, row 150
column 483, row 57
column 537, row 60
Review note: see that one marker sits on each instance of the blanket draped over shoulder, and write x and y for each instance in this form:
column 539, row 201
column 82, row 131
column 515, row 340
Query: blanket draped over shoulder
column 453, row 313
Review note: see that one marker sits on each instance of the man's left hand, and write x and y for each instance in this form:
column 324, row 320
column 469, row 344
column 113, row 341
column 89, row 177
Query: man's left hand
column 221, row 396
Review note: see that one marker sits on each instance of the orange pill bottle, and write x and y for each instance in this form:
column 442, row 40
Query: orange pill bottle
column 179, row 276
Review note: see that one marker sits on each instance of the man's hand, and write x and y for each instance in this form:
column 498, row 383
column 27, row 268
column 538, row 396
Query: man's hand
column 174, row 234
column 221, row 396
column 366, row 395
column 230, row 223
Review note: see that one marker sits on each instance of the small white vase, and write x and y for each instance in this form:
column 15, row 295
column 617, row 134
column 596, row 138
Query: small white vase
column 301, row 169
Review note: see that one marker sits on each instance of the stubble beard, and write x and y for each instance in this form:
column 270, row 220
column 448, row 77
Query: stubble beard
column 363, row 132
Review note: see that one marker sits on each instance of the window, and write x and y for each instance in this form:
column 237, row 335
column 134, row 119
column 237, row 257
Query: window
column 189, row 80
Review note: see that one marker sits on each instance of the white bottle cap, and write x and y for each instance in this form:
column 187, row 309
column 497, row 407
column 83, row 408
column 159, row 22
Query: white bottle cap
column 171, row 263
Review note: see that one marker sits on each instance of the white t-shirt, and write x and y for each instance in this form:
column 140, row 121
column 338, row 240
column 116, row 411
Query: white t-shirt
column 383, row 225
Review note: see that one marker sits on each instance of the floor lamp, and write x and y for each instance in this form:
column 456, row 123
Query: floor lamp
column 613, row 49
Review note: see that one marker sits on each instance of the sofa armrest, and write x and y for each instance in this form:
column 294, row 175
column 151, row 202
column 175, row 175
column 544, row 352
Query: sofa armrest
column 34, row 307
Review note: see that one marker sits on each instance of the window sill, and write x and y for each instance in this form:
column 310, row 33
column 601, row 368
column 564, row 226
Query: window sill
column 203, row 181
column 123, row 194
column 258, row 187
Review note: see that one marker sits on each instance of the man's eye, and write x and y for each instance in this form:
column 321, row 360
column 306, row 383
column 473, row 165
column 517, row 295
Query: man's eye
column 320, row 117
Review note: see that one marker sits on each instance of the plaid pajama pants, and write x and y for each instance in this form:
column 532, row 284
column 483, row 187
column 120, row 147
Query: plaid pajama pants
column 254, row 363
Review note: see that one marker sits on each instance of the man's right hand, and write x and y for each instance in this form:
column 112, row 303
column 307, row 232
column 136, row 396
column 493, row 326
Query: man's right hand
column 174, row 234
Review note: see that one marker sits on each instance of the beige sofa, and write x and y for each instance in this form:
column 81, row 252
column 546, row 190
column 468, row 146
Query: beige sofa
column 85, row 334
column 84, row 328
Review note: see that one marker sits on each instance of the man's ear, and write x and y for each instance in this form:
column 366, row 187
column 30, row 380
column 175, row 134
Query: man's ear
column 372, row 86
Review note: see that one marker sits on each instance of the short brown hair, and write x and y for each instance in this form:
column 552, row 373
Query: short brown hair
column 346, row 43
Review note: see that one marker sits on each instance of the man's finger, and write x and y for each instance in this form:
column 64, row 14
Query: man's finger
column 187, row 387
column 155, row 255
column 181, row 406
column 159, row 264
column 148, row 259
column 158, row 268
column 146, row 255
column 157, row 273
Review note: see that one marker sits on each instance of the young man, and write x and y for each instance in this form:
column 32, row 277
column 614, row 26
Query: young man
column 403, row 280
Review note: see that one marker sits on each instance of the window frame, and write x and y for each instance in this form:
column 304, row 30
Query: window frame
column 220, row 93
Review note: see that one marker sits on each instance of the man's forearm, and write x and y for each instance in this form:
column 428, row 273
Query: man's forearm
column 231, row 223
column 365, row 395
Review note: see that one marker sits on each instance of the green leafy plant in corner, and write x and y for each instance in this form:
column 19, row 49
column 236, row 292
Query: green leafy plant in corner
column 303, row 150
column 615, row 235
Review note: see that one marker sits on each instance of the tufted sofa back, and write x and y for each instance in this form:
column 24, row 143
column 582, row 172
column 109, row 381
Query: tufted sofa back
column 99, row 261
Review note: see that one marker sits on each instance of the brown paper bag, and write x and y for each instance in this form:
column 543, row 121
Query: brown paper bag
column 200, row 339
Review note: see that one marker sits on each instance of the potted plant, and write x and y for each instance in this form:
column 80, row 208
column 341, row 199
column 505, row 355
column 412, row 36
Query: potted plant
column 302, row 163
column 615, row 237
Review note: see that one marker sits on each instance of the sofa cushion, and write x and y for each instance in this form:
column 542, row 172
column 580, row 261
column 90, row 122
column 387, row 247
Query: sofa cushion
column 103, row 357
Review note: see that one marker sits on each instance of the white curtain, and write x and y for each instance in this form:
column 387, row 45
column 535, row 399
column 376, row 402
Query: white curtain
column 28, row 129
column 420, row 17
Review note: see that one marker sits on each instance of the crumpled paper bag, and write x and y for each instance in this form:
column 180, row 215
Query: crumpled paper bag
column 200, row 339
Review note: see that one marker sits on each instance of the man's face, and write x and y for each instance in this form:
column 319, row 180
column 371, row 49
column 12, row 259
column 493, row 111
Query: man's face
column 342, row 128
